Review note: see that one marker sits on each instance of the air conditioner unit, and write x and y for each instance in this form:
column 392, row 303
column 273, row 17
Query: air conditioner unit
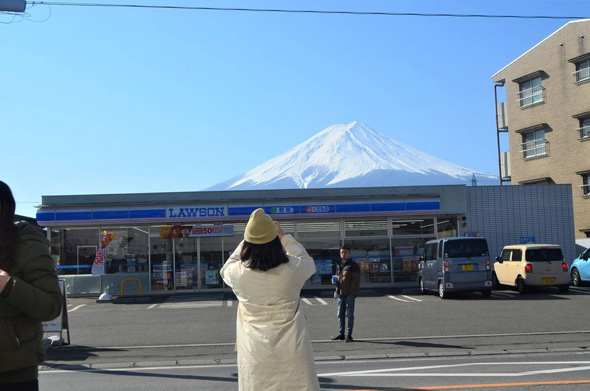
column 502, row 119
column 505, row 164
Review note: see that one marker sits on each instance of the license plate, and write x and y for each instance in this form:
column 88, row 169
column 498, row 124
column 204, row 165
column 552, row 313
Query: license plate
column 548, row 280
column 467, row 268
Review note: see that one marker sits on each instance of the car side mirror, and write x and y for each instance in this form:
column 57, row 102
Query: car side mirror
column 499, row 259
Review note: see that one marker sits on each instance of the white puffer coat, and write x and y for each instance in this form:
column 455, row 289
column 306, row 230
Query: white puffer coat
column 272, row 339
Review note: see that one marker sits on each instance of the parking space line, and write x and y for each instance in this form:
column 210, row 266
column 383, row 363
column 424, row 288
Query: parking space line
column 411, row 298
column 306, row 301
column 403, row 300
column 77, row 307
column 320, row 300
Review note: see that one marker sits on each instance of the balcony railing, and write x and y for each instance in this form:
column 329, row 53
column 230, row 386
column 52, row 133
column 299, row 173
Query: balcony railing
column 584, row 132
column 582, row 74
column 534, row 148
column 531, row 96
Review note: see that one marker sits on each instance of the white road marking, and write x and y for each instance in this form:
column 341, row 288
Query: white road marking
column 152, row 306
column 230, row 303
column 412, row 300
column 321, row 300
column 77, row 307
column 192, row 304
column 405, row 372
column 307, row 301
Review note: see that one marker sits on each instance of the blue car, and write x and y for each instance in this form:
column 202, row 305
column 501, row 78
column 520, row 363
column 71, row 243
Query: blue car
column 580, row 269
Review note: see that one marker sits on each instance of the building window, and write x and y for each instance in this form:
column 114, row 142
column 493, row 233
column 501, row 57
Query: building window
column 586, row 185
column 582, row 72
column 531, row 92
column 584, row 128
column 533, row 144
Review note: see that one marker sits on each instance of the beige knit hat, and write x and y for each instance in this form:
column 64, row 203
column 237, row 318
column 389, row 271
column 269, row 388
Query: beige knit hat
column 260, row 228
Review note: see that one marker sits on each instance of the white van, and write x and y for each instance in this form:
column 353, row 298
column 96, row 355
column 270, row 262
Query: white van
column 455, row 264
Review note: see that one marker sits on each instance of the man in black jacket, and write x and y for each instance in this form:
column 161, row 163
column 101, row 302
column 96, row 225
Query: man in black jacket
column 347, row 286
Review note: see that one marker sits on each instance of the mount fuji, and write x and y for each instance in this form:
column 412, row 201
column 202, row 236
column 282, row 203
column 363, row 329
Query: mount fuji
column 353, row 155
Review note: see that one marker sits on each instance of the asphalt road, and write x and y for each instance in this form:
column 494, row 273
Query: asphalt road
column 198, row 332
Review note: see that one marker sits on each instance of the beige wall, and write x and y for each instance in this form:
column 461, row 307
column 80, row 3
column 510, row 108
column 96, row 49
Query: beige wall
column 563, row 98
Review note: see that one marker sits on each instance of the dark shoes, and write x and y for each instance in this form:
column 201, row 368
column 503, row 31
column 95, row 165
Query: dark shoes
column 341, row 338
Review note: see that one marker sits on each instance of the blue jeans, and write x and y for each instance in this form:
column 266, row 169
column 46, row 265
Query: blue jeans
column 346, row 310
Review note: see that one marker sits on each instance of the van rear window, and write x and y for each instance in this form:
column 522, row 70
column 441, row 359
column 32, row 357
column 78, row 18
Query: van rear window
column 466, row 248
column 543, row 254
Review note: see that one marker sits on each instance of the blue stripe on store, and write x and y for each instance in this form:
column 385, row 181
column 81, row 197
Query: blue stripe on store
column 45, row 216
column 146, row 214
column 388, row 207
column 242, row 210
column 69, row 216
column 110, row 215
column 423, row 205
column 350, row 208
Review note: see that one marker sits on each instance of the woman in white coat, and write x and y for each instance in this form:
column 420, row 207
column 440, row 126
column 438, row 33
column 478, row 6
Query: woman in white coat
column 266, row 272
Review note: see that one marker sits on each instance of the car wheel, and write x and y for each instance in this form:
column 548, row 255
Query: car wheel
column 576, row 277
column 564, row 288
column 486, row 293
column 495, row 281
column 441, row 291
column 421, row 284
column 521, row 286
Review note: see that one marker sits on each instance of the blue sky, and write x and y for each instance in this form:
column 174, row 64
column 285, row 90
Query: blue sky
column 126, row 100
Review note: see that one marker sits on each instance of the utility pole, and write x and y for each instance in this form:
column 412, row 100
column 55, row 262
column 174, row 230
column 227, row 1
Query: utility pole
column 13, row 5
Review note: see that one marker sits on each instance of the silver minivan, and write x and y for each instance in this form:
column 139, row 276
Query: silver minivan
column 455, row 264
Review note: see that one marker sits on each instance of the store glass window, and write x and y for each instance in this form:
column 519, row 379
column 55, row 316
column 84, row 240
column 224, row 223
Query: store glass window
column 413, row 226
column 79, row 246
column 317, row 229
column 161, row 249
column 446, row 227
column 326, row 254
column 212, row 260
column 365, row 228
column 406, row 255
column 125, row 249
column 374, row 258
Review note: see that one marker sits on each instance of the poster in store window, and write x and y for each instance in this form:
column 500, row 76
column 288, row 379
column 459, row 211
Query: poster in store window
column 211, row 277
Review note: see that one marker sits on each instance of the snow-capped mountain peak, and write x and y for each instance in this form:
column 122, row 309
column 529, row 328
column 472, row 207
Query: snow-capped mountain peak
column 352, row 155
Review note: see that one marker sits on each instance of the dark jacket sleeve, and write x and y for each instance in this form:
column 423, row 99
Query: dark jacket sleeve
column 36, row 291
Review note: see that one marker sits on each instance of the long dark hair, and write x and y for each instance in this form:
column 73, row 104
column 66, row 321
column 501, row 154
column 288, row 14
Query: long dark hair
column 263, row 256
column 8, row 233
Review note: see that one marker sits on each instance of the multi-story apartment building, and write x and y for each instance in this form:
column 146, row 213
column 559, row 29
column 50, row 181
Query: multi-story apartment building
column 547, row 116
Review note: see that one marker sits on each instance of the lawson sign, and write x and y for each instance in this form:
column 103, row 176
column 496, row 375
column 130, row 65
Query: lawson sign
column 192, row 212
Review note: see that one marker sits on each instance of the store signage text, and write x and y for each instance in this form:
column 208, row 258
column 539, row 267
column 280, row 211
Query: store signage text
column 282, row 210
column 213, row 211
column 317, row 209
column 204, row 231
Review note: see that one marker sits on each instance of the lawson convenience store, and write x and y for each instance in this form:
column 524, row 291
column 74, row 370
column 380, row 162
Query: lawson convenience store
column 177, row 242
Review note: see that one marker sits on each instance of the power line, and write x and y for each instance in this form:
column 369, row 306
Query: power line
column 356, row 13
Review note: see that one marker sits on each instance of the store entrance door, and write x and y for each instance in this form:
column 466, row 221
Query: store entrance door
column 211, row 261
column 186, row 264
